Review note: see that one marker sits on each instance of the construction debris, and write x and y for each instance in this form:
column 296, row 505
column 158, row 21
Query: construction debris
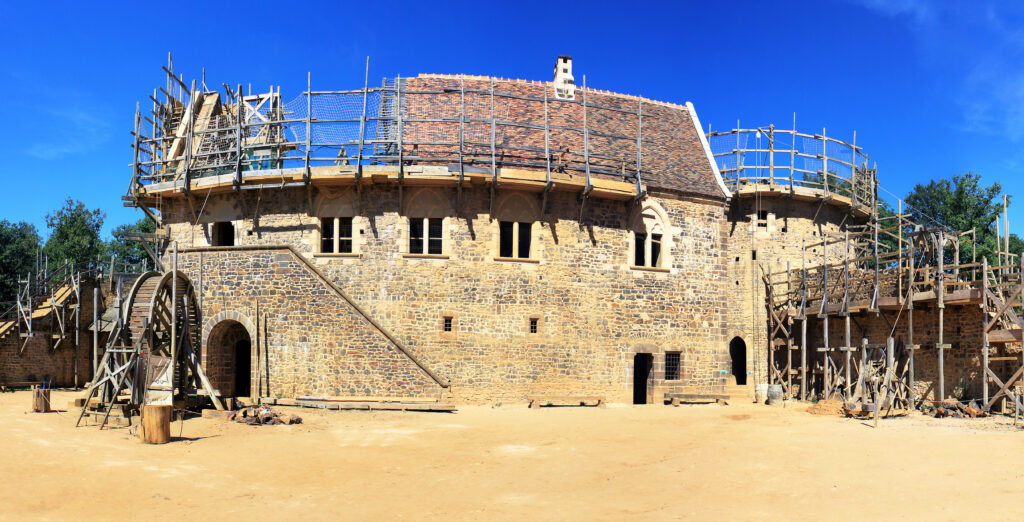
column 262, row 416
column 827, row 407
column 958, row 410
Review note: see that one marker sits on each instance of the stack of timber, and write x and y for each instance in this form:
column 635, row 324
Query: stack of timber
column 373, row 403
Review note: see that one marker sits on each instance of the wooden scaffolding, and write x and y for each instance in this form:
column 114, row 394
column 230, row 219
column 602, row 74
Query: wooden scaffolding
column 891, row 265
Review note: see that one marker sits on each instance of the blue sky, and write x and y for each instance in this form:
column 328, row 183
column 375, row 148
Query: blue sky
column 932, row 88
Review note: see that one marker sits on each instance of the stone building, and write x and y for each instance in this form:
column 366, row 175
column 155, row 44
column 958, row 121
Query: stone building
column 483, row 239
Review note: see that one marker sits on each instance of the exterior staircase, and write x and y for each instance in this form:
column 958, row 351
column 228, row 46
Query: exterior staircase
column 737, row 392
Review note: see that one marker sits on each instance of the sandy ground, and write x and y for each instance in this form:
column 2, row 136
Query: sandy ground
column 708, row 462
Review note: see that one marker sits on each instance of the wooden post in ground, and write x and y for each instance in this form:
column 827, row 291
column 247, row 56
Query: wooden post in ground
column 95, row 330
column 156, row 424
column 40, row 400
column 909, row 303
column 846, row 316
column 803, row 359
column 984, row 331
column 941, row 293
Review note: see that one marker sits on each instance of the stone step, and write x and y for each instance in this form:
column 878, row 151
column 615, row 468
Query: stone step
column 739, row 391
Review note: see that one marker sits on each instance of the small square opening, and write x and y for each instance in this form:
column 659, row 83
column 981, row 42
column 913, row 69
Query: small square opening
column 762, row 218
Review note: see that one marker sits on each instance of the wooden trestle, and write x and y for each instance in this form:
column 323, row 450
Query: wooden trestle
column 890, row 265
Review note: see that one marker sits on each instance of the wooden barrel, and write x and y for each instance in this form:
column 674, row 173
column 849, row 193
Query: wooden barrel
column 40, row 400
column 156, row 424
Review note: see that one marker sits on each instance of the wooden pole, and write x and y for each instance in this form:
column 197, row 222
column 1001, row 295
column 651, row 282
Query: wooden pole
column 846, row 318
column 910, row 309
column 803, row 322
column 174, row 309
column 78, row 317
column 984, row 330
column 824, row 314
column 95, row 330
column 941, row 306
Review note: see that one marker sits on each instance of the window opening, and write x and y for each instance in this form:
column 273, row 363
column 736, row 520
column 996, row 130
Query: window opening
column 336, row 235
column 515, row 239
column 434, row 236
column 327, row 235
column 505, row 231
column 671, row 366
column 345, row 235
column 415, row 236
column 640, row 252
column 762, row 219
column 655, row 249
column 524, row 239
column 223, row 233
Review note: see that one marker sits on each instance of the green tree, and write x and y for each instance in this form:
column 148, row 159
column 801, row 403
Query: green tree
column 1016, row 244
column 126, row 249
column 74, row 233
column 959, row 204
column 19, row 243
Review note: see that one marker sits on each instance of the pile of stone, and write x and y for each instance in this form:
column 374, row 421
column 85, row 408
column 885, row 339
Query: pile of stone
column 263, row 415
column 959, row 410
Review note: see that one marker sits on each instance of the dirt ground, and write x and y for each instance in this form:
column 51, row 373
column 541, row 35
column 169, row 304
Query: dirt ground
column 709, row 462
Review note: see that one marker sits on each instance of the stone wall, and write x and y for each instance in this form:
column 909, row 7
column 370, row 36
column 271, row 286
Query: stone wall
column 39, row 361
column 764, row 234
column 593, row 310
column 315, row 341
column 962, row 326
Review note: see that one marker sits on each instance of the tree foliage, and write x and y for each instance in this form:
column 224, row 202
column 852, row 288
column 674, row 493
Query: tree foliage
column 19, row 243
column 74, row 233
column 129, row 250
column 959, row 204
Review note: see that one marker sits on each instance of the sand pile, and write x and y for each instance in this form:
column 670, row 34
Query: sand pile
column 829, row 407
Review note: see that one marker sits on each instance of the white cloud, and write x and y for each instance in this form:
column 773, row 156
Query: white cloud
column 70, row 132
column 978, row 47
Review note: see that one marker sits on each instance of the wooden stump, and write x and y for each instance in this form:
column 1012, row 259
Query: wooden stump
column 156, row 424
column 40, row 400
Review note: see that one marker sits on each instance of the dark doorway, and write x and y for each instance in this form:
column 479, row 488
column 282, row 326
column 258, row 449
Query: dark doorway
column 229, row 359
column 642, row 364
column 223, row 234
column 738, row 354
column 243, row 367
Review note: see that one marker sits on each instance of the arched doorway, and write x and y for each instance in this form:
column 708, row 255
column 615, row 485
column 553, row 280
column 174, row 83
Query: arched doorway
column 229, row 359
column 738, row 354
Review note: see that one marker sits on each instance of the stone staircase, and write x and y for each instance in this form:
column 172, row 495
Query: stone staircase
column 737, row 392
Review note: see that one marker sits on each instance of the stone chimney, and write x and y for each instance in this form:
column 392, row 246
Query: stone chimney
column 565, row 88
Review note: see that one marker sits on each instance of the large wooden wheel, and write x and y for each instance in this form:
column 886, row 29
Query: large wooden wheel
column 149, row 302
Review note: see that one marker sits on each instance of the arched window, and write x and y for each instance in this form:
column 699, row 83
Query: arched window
column 426, row 211
column 338, row 227
column 517, row 215
column 649, row 238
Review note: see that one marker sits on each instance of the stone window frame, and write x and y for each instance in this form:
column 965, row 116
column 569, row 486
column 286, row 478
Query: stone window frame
column 219, row 209
column 678, row 375
column 530, row 322
column 517, row 207
column 650, row 219
column 426, row 203
column 338, row 204
column 214, row 233
column 455, row 324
